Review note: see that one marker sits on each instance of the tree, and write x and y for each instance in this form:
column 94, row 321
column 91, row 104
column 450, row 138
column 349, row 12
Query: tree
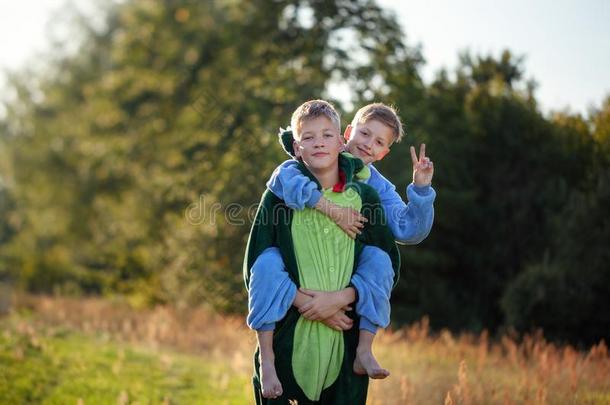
column 565, row 293
column 168, row 109
column 502, row 172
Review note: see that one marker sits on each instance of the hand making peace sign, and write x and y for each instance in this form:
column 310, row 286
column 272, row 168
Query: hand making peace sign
column 423, row 168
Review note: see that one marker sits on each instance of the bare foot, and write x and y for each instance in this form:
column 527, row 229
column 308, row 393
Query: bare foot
column 272, row 388
column 365, row 363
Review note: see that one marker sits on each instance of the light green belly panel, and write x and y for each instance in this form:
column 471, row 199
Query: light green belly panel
column 325, row 258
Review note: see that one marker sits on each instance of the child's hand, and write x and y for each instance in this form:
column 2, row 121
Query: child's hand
column 348, row 219
column 339, row 321
column 321, row 306
column 423, row 168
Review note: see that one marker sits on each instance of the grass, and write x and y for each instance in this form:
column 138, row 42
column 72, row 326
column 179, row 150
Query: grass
column 62, row 351
column 57, row 366
column 46, row 361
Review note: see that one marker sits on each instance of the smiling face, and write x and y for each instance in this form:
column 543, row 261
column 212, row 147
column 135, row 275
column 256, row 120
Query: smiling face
column 318, row 143
column 370, row 141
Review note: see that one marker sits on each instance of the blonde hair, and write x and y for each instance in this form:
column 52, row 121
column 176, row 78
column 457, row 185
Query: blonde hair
column 313, row 109
column 383, row 113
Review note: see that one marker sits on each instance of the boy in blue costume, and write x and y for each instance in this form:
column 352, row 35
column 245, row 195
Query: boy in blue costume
column 373, row 130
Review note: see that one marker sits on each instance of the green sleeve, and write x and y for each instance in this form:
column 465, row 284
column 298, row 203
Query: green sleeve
column 262, row 233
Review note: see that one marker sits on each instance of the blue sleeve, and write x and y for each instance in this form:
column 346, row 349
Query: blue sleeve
column 373, row 279
column 271, row 291
column 410, row 223
column 288, row 183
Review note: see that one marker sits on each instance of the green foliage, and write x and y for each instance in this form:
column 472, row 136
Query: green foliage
column 503, row 172
column 567, row 294
column 168, row 109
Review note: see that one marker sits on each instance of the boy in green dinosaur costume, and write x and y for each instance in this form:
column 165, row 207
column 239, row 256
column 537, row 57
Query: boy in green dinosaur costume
column 315, row 362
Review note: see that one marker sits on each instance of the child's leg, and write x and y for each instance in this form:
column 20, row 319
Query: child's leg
column 365, row 362
column 271, row 386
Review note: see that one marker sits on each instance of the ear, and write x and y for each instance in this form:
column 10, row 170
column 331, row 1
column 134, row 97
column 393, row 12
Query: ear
column 348, row 132
column 295, row 148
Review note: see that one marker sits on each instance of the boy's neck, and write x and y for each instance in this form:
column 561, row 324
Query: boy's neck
column 326, row 177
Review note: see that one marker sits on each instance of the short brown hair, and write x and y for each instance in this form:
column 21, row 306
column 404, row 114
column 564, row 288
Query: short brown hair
column 313, row 109
column 383, row 113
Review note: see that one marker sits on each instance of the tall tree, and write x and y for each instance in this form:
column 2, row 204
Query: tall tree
column 136, row 159
column 566, row 292
column 502, row 171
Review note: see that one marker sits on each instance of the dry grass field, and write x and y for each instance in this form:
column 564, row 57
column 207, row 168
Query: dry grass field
column 90, row 351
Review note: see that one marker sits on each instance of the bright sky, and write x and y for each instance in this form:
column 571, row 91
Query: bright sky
column 566, row 42
column 24, row 29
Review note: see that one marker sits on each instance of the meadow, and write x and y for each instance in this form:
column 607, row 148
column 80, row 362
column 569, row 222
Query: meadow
column 93, row 351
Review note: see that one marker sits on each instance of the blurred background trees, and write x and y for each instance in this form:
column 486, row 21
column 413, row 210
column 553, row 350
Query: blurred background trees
column 133, row 165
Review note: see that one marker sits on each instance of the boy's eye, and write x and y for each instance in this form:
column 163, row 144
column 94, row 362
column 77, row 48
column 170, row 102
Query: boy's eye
column 328, row 135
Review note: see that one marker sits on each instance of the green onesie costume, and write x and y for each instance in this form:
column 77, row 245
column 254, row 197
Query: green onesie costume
column 314, row 362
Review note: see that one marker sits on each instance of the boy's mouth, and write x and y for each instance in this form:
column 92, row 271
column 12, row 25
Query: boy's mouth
column 363, row 151
column 319, row 154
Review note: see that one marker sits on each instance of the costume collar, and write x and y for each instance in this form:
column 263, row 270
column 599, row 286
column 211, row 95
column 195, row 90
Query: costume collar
column 347, row 164
column 340, row 186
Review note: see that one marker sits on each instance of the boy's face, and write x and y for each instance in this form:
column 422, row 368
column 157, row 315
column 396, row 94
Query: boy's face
column 370, row 141
column 319, row 143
